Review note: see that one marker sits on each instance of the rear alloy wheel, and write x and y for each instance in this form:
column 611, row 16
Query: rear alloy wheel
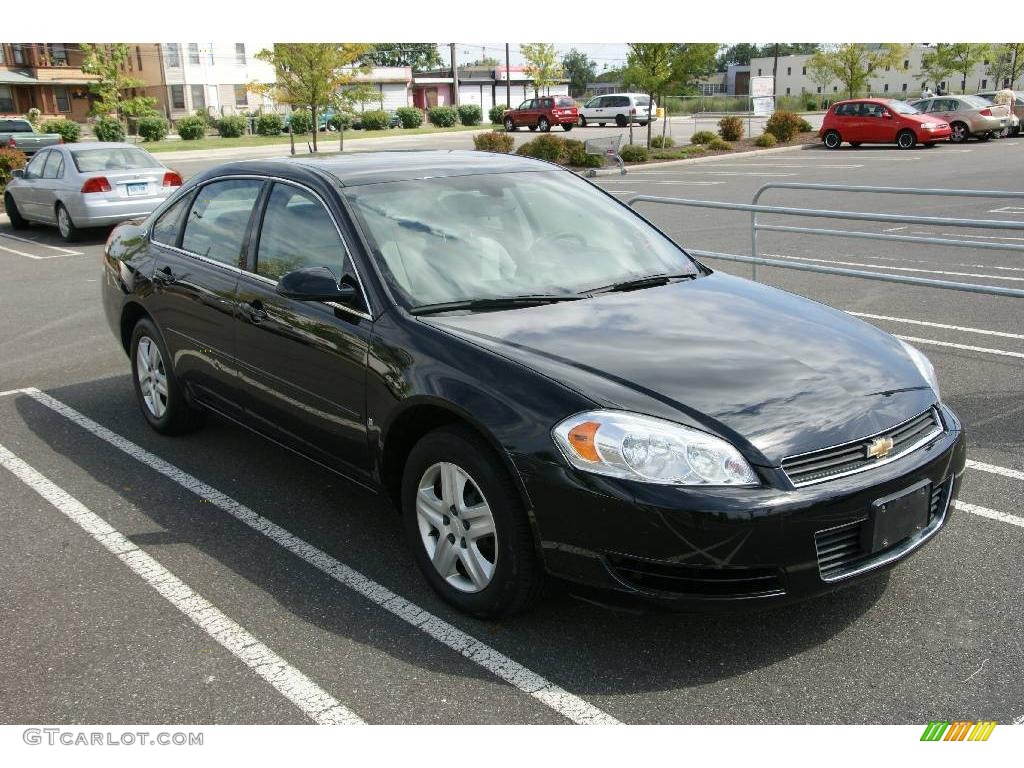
column 620, row 120
column 959, row 133
column 510, row 125
column 583, row 122
column 65, row 225
column 466, row 525
column 906, row 139
column 543, row 124
column 17, row 222
column 833, row 139
column 160, row 395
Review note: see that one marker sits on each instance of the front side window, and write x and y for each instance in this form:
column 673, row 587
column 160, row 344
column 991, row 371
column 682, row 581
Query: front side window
column 217, row 222
column 526, row 104
column 507, row 234
column 34, row 169
column 167, row 227
column 297, row 232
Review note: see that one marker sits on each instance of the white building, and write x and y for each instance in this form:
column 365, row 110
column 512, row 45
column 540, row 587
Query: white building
column 213, row 77
column 905, row 80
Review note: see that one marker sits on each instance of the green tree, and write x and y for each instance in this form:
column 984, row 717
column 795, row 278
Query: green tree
column 419, row 56
column 935, row 68
column 853, row 64
column 580, row 70
column 740, row 54
column 820, row 71
column 542, row 65
column 311, row 74
column 362, row 94
column 109, row 62
column 963, row 58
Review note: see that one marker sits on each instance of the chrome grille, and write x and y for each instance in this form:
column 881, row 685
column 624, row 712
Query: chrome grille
column 848, row 458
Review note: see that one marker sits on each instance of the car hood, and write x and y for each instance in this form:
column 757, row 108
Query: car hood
column 774, row 373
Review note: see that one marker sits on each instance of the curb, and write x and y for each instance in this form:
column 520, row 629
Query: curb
column 710, row 159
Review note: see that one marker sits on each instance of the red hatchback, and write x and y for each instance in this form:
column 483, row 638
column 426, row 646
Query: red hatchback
column 880, row 121
column 543, row 113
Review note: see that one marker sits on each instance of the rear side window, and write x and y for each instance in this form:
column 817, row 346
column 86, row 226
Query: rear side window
column 297, row 232
column 168, row 226
column 643, row 101
column 218, row 219
column 846, row 110
column 621, row 101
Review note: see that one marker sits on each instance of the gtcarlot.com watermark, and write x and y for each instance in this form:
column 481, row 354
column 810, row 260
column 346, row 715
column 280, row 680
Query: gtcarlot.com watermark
column 73, row 737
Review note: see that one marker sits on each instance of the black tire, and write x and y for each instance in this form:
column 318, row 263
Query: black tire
column 620, row 120
column 543, row 125
column 985, row 136
column 959, row 132
column 65, row 225
column 832, row 140
column 906, row 139
column 930, row 145
column 179, row 416
column 855, row 143
column 510, row 125
column 517, row 578
column 568, row 126
column 532, row 127
column 583, row 122
column 17, row 221
column 602, row 124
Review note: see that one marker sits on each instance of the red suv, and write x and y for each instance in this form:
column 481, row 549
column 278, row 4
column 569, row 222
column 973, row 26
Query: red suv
column 880, row 121
column 543, row 113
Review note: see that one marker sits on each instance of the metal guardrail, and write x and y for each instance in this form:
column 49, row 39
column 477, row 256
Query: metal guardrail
column 754, row 208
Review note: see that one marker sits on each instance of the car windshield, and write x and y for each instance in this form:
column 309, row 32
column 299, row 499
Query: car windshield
column 112, row 159
column 501, row 235
column 903, row 108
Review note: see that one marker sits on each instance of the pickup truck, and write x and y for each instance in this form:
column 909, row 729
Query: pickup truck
column 19, row 134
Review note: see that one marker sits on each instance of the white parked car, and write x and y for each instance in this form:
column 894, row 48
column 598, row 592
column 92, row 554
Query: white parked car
column 619, row 108
column 88, row 184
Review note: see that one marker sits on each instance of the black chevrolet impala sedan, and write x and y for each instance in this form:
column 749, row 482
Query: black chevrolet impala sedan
column 540, row 381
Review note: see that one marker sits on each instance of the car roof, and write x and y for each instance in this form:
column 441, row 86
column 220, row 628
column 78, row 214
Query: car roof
column 380, row 167
column 104, row 145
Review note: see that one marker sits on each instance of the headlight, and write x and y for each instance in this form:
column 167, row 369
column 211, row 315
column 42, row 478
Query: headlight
column 924, row 365
column 649, row 450
column 929, row 126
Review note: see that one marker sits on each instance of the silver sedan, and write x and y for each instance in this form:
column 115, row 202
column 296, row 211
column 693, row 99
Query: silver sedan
column 89, row 184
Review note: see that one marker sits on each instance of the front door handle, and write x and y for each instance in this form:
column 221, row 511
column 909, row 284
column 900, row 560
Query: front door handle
column 164, row 276
column 255, row 312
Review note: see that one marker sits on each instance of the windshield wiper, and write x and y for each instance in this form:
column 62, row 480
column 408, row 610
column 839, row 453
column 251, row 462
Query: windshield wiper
column 499, row 302
column 636, row 283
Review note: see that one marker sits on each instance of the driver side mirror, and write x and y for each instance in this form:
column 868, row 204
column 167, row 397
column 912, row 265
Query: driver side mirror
column 315, row 284
column 18, row 173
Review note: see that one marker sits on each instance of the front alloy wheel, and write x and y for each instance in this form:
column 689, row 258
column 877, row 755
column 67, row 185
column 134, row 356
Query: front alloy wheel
column 958, row 133
column 906, row 140
column 457, row 527
column 510, row 124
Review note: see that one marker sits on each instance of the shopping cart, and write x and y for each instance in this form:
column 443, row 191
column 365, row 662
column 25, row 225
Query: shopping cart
column 606, row 147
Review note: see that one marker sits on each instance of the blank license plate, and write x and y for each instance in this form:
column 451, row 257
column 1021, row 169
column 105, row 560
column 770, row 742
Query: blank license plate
column 901, row 515
column 137, row 189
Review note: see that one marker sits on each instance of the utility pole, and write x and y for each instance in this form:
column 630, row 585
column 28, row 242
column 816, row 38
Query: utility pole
column 508, row 80
column 775, row 72
column 455, row 78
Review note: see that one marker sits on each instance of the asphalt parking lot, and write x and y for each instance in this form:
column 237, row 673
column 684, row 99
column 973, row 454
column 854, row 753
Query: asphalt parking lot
column 216, row 578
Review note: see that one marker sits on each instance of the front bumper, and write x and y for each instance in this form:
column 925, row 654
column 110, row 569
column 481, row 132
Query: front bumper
column 698, row 548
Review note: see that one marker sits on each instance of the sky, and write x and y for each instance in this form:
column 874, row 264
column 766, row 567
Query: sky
column 606, row 55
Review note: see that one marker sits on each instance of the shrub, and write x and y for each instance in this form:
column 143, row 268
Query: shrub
column 783, row 125
column 497, row 114
column 301, row 121
column 341, row 121
column 766, row 140
column 191, row 128
column 232, row 126
column 702, row 137
column 153, row 128
column 805, row 127
column 590, row 161
column 493, row 141
column 575, row 153
column 269, row 124
column 634, row 153
column 470, row 114
column 544, row 147
column 410, row 117
column 443, row 117
column 730, row 128
column 10, row 160
column 376, row 120
column 69, row 130
column 108, row 129
column 660, row 142
column 719, row 145
column 33, row 115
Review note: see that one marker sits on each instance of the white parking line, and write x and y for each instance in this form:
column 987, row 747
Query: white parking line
column 992, row 514
column 962, row 328
column 898, row 269
column 1016, row 209
column 561, row 701
column 981, row 466
column 967, row 347
column 315, row 702
column 684, row 182
column 66, row 251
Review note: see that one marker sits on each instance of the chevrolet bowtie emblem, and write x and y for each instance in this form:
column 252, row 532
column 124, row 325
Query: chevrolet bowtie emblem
column 880, row 447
